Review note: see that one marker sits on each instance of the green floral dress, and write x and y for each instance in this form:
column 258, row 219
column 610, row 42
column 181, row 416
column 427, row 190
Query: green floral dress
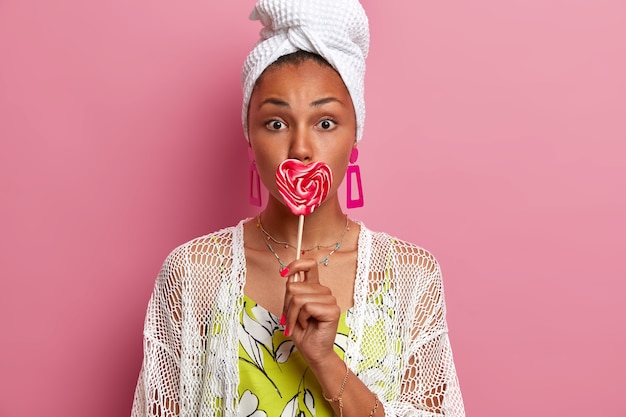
column 274, row 378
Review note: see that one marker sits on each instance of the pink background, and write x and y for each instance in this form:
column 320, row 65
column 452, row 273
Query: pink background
column 495, row 137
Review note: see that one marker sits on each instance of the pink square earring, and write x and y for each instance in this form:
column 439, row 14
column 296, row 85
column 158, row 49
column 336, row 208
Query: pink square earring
column 255, row 181
column 354, row 171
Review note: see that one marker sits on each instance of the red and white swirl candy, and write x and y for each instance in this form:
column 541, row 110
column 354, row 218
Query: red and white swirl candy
column 303, row 187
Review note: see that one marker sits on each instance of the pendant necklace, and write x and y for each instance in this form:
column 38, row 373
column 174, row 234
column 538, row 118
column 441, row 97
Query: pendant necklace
column 324, row 261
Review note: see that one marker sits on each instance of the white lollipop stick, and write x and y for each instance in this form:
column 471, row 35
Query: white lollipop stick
column 299, row 242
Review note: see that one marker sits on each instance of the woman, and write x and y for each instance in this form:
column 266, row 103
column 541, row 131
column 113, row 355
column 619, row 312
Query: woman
column 355, row 327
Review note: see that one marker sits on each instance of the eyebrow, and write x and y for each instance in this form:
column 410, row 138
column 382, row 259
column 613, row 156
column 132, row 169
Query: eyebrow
column 316, row 103
column 322, row 101
column 274, row 101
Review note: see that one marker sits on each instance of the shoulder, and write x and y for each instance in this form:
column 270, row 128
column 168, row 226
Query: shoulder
column 212, row 249
column 195, row 269
column 403, row 254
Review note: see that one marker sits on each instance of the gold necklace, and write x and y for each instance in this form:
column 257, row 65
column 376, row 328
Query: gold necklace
column 333, row 246
column 324, row 261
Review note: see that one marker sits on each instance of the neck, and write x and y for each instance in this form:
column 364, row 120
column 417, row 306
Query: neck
column 323, row 226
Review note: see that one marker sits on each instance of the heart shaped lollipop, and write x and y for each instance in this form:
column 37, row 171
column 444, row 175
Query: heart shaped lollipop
column 303, row 187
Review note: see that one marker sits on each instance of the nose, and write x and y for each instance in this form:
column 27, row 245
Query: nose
column 300, row 147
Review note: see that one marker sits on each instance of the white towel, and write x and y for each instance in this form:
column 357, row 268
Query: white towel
column 335, row 29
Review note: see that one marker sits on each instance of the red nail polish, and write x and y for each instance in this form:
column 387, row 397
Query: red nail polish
column 286, row 331
column 284, row 272
column 283, row 320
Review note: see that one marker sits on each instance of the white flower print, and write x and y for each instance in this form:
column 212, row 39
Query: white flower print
column 290, row 408
column 258, row 331
column 309, row 401
column 284, row 351
column 248, row 405
column 267, row 324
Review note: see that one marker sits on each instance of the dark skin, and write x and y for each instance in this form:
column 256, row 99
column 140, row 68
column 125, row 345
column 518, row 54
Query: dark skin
column 304, row 111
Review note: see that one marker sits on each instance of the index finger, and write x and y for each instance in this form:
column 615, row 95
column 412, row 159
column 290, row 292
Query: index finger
column 306, row 267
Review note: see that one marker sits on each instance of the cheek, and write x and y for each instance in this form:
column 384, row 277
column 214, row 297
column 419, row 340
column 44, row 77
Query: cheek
column 266, row 165
column 339, row 168
column 266, row 169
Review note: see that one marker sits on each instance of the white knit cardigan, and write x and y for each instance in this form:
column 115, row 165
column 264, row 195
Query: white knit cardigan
column 190, row 365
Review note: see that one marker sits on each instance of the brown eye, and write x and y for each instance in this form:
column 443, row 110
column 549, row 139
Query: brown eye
column 275, row 125
column 327, row 124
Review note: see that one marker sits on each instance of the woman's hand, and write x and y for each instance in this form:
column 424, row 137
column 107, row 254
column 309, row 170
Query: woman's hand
column 310, row 311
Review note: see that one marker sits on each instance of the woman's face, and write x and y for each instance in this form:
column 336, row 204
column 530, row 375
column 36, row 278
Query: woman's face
column 301, row 111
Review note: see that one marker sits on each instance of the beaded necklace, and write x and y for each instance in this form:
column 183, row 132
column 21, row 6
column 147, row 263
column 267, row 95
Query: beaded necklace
column 324, row 261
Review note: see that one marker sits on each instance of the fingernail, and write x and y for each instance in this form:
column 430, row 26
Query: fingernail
column 286, row 331
column 283, row 320
column 284, row 272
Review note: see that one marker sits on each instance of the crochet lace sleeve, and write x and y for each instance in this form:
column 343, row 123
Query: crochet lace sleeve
column 194, row 303
column 157, row 392
column 429, row 382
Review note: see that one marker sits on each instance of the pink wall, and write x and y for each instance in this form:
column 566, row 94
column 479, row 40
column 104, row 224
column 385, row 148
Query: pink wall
column 495, row 137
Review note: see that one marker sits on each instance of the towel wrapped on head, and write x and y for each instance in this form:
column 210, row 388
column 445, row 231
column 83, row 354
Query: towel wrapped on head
column 337, row 30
